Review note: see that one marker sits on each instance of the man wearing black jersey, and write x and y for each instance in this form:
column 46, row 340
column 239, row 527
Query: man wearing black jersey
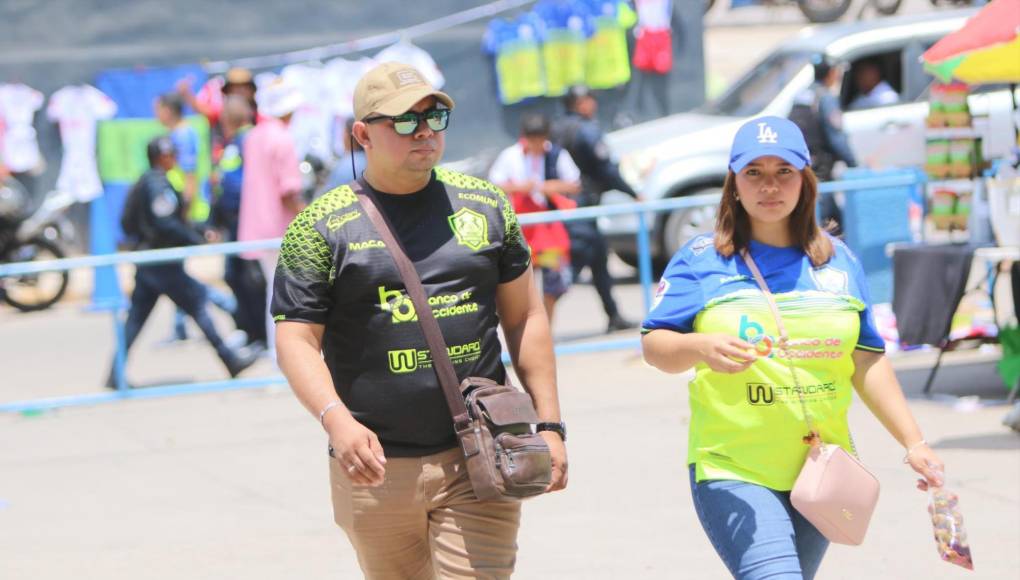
column 349, row 342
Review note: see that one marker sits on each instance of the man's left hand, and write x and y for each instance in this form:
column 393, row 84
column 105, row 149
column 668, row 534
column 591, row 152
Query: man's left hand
column 558, row 453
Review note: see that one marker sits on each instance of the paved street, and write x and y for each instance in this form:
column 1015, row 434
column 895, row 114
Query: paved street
column 234, row 484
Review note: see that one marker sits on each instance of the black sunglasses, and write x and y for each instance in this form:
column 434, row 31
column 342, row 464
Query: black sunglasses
column 407, row 124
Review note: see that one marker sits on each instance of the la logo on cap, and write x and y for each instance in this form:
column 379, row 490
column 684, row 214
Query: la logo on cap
column 766, row 135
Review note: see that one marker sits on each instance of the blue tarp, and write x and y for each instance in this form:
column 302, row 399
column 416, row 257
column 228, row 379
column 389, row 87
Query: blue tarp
column 873, row 218
column 135, row 89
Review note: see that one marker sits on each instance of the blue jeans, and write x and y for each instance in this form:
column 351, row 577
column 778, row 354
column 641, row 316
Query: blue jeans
column 756, row 531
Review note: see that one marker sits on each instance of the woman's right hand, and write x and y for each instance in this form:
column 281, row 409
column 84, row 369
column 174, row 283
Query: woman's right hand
column 724, row 353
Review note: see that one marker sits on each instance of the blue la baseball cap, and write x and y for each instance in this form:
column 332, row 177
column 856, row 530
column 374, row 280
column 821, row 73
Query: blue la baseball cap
column 769, row 136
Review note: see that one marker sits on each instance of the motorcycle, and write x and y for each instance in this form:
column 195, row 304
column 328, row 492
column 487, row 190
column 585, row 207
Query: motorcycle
column 33, row 236
column 821, row 11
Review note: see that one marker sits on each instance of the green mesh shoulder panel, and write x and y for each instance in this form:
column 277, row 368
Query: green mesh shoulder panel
column 512, row 230
column 304, row 252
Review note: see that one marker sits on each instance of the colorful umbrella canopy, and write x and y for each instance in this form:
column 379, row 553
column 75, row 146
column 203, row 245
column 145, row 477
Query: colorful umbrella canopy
column 986, row 50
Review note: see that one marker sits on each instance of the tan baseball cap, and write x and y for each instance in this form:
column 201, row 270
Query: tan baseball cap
column 392, row 88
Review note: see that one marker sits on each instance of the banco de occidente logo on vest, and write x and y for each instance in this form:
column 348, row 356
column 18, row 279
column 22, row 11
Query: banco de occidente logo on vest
column 402, row 310
column 754, row 333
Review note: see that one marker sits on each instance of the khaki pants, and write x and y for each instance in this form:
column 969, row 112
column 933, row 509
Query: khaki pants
column 424, row 522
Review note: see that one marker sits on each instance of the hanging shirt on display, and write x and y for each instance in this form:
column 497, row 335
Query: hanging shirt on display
column 607, row 61
column 339, row 78
column 408, row 53
column 312, row 122
column 77, row 109
column 516, row 46
column 653, row 46
column 567, row 28
column 20, row 150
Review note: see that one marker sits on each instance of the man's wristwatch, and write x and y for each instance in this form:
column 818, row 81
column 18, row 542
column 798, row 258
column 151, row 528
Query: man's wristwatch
column 559, row 428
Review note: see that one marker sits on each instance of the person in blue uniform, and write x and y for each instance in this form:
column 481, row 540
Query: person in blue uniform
column 154, row 214
column 579, row 133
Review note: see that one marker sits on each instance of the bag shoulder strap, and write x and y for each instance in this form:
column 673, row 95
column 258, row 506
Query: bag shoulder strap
column 784, row 340
column 441, row 362
column 783, row 336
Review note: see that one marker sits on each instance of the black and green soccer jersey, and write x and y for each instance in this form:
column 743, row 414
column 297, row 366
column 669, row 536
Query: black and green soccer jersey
column 464, row 239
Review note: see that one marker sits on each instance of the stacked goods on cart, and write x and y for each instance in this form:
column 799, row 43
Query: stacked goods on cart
column 949, row 209
column 948, row 106
column 952, row 156
column 937, row 158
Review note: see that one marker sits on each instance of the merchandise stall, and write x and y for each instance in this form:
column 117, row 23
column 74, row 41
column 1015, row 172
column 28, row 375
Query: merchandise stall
column 972, row 194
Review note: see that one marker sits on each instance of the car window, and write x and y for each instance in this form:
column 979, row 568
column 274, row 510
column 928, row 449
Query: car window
column 874, row 80
column 756, row 89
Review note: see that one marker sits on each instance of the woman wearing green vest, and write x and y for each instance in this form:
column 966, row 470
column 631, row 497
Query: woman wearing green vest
column 748, row 413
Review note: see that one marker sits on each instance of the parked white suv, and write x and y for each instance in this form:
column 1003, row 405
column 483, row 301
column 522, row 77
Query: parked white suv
column 687, row 153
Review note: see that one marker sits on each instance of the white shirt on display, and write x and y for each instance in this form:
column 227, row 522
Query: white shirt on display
column 408, row 53
column 76, row 109
column 20, row 149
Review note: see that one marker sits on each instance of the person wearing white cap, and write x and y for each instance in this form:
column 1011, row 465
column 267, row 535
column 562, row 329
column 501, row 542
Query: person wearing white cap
column 350, row 344
column 271, row 184
column 773, row 314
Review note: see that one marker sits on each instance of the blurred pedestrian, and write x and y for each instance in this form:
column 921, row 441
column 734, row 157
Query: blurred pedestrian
column 210, row 100
column 154, row 214
column 243, row 276
column 271, row 183
column 353, row 352
column 351, row 164
column 540, row 176
column 183, row 176
column 580, row 134
column 756, row 397
column 817, row 114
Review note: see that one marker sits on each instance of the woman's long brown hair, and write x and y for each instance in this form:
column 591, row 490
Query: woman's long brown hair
column 733, row 226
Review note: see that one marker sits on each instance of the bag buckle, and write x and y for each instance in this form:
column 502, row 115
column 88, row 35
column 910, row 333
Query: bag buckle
column 813, row 439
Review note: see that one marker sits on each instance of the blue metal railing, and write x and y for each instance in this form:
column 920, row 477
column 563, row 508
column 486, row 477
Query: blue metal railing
column 641, row 209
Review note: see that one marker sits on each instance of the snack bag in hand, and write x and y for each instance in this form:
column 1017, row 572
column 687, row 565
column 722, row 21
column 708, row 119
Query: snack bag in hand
column 950, row 535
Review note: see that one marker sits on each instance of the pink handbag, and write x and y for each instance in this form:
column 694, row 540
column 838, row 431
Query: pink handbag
column 834, row 491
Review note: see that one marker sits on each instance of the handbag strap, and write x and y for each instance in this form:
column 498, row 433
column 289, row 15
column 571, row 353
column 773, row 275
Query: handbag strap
column 784, row 342
column 441, row 362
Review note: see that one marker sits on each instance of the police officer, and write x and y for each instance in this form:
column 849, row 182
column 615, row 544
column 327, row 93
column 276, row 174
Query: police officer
column 154, row 214
column 817, row 113
column 579, row 133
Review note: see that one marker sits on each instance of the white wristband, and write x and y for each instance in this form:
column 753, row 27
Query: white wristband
column 327, row 409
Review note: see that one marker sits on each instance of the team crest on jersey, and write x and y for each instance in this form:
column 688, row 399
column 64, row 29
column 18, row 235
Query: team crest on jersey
column 660, row 292
column 829, row 279
column 701, row 244
column 471, row 228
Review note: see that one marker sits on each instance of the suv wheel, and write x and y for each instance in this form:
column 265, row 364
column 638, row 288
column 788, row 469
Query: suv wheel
column 683, row 224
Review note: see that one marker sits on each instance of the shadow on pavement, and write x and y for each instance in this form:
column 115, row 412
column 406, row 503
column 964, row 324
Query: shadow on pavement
column 1001, row 441
column 961, row 380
